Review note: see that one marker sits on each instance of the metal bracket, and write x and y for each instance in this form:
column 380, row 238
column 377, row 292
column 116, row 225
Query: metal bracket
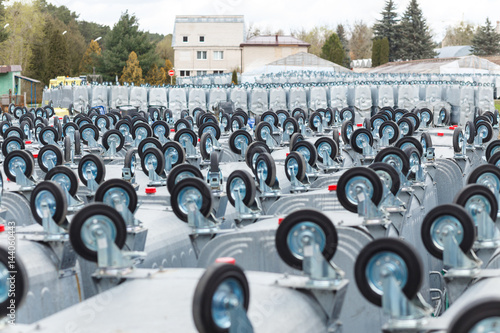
column 154, row 178
column 455, row 260
column 367, row 209
column 297, row 186
column 244, row 212
column 111, row 152
column 488, row 235
column 265, row 190
column 21, row 179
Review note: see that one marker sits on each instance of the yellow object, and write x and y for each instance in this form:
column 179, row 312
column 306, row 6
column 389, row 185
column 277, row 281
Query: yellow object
column 60, row 112
column 65, row 81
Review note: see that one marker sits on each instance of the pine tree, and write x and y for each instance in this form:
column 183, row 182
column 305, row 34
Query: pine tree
column 124, row 38
column 332, row 50
column 345, row 44
column 132, row 72
column 91, row 57
column 388, row 27
column 376, row 52
column 486, row 40
column 384, row 51
column 416, row 40
column 155, row 76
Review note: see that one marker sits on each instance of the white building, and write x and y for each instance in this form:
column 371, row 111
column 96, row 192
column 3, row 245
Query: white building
column 207, row 44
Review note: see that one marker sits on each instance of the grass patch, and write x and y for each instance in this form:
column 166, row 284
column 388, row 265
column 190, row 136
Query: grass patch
column 497, row 104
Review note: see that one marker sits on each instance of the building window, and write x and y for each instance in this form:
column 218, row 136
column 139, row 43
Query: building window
column 201, row 73
column 185, row 73
column 218, row 72
column 202, row 39
column 218, row 55
column 184, row 39
column 201, row 55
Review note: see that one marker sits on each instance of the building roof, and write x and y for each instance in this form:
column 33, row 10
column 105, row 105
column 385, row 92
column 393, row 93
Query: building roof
column 274, row 40
column 454, row 51
column 468, row 64
column 209, row 19
column 304, row 59
column 10, row 68
column 26, row 78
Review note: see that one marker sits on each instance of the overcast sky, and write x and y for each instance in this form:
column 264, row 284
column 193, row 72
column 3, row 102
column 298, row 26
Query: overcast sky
column 158, row 15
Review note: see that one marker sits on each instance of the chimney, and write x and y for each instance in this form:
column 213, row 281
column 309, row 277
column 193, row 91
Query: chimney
column 277, row 39
column 498, row 27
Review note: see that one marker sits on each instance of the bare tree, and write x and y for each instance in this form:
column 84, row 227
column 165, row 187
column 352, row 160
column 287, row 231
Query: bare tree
column 360, row 44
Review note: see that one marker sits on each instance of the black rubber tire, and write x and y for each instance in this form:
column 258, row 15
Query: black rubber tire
column 394, row 151
column 488, row 127
column 329, row 112
column 214, row 163
column 415, row 118
column 294, row 123
column 331, row 142
column 19, row 275
column 431, row 115
column 106, row 119
column 181, row 168
column 117, row 183
column 7, row 141
column 255, row 147
column 389, row 111
column 160, row 166
column 11, row 129
column 141, row 124
column 296, row 137
column 180, row 151
column 271, row 169
column 250, row 187
column 456, row 139
column 93, row 128
column 160, row 123
column 476, row 189
column 205, row 155
column 389, row 169
column 202, row 187
column 190, row 132
column 446, row 119
column 202, row 127
column 375, row 118
column 56, row 150
column 124, row 122
column 410, row 126
column 473, row 313
column 311, row 121
column 236, row 122
column 481, row 118
column 302, row 164
column 285, row 115
column 56, row 190
column 228, row 121
column 394, row 126
column 472, row 130
column 243, row 116
column 69, row 124
column 402, row 249
column 48, row 128
column 148, row 141
column 258, row 131
column 425, row 137
column 409, row 151
column 67, row 149
column 232, row 140
column 343, row 131
column 410, row 141
column 87, row 212
column 101, row 168
column 69, row 173
column 78, row 144
column 491, row 117
column 313, row 159
column 273, row 115
column 205, row 290
column 343, row 114
column 305, row 215
column 492, row 146
column 106, row 135
column 482, row 169
column 28, row 159
column 369, row 174
column 458, row 212
column 127, row 161
column 355, row 134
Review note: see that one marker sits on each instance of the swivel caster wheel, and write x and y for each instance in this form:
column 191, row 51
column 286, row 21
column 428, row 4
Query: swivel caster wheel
column 191, row 190
column 387, row 255
column 16, row 270
column 355, row 180
column 245, row 183
column 117, row 189
column 181, row 172
column 479, row 316
column 50, row 194
column 294, row 231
